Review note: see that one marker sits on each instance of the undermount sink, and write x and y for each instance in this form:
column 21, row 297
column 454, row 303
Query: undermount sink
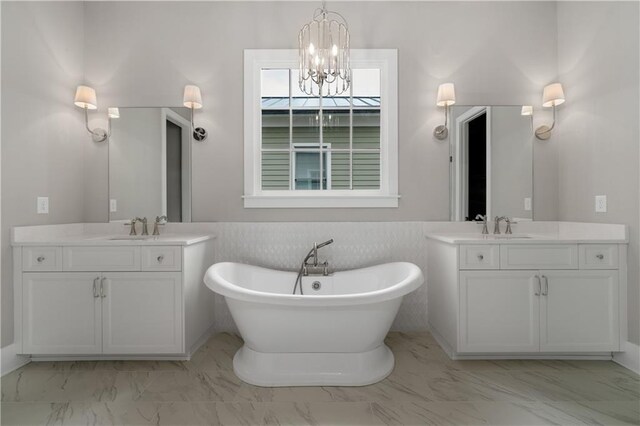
column 131, row 237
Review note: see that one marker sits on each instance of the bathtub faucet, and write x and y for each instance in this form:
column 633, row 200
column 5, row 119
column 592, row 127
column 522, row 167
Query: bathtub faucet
column 304, row 267
column 313, row 253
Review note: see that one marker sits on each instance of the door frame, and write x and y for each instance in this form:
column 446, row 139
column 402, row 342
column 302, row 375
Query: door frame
column 460, row 163
column 167, row 114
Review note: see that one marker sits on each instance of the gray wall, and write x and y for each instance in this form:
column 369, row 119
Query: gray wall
column 598, row 54
column 42, row 131
column 496, row 53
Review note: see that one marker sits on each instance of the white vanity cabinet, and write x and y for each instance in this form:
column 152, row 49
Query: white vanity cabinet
column 507, row 299
column 112, row 300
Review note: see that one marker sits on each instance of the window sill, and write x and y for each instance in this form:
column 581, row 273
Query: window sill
column 319, row 201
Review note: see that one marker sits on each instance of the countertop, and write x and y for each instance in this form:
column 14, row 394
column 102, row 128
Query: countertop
column 468, row 238
column 168, row 239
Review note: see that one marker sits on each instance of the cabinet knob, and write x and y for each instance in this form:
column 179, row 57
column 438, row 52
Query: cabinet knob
column 40, row 259
column 600, row 256
column 160, row 258
column 480, row 257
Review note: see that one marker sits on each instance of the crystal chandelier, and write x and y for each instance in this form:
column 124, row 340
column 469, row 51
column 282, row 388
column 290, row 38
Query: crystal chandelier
column 325, row 69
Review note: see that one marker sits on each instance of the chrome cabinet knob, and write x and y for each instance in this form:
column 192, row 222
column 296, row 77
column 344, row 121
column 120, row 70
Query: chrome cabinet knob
column 40, row 259
column 160, row 258
column 600, row 256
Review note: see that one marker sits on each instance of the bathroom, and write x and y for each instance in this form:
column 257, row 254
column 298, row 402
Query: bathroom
column 58, row 182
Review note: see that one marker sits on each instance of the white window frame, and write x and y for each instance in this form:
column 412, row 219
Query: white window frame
column 386, row 60
column 311, row 148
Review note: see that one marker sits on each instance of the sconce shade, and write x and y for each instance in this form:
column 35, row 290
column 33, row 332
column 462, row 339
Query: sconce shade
column 446, row 95
column 114, row 112
column 526, row 110
column 192, row 97
column 86, row 97
column 553, row 95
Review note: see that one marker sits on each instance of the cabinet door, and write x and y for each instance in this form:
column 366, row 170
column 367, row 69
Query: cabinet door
column 61, row 313
column 579, row 311
column 142, row 313
column 499, row 312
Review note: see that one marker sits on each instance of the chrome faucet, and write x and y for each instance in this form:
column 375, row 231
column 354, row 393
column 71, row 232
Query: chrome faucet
column 145, row 230
column 484, row 223
column 304, row 267
column 160, row 220
column 509, row 222
column 133, row 222
column 496, row 228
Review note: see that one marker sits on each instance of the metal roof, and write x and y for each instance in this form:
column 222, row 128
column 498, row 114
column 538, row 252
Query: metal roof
column 327, row 103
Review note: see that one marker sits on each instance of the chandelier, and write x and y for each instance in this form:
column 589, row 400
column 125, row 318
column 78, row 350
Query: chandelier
column 324, row 54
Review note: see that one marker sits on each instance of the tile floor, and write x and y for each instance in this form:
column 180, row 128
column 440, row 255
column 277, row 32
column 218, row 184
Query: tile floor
column 426, row 387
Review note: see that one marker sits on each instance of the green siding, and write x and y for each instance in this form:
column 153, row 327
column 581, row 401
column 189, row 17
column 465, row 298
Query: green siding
column 275, row 171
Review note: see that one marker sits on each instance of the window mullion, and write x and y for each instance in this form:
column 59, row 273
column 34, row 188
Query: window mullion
column 291, row 158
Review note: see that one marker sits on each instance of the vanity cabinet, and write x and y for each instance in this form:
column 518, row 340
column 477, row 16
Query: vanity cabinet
column 112, row 301
column 60, row 313
column 501, row 299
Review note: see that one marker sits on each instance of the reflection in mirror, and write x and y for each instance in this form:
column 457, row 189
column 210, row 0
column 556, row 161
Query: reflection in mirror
column 150, row 164
column 491, row 163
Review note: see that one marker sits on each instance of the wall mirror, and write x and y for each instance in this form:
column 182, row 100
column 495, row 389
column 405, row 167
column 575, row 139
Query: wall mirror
column 150, row 164
column 491, row 162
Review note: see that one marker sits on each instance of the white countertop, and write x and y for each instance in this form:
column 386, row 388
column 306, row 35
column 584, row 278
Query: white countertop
column 116, row 240
column 465, row 238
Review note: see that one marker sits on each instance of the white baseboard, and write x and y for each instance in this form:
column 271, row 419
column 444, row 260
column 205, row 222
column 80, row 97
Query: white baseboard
column 630, row 358
column 10, row 360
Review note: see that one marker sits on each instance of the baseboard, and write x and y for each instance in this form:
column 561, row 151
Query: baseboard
column 630, row 358
column 10, row 360
column 201, row 341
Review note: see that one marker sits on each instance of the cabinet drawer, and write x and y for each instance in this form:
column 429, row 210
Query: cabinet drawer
column 476, row 256
column 539, row 256
column 162, row 258
column 45, row 258
column 102, row 258
column 598, row 256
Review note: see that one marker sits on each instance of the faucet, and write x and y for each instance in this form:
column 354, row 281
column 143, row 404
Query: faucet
column 145, row 230
column 496, row 228
column 304, row 267
column 160, row 220
column 133, row 222
column 484, row 223
column 509, row 222
column 313, row 253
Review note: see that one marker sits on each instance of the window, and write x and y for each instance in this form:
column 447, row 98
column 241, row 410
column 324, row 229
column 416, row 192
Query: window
column 305, row 151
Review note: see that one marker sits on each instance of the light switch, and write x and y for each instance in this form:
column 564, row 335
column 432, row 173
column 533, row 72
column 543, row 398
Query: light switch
column 601, row 203
column 43, row 205
column 113, row 205
column 527, row 204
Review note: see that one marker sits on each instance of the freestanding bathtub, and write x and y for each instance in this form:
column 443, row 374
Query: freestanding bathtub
column 332, row 335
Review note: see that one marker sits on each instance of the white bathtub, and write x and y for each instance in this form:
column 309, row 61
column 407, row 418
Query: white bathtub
column 330, row 336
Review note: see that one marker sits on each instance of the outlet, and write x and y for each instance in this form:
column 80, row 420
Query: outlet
column 113, row 205
column 601, row 203
column 43, row 205
column 527, row 204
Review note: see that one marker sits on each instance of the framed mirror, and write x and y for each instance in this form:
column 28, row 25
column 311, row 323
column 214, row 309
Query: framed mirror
column 150, row 164
column 491, row 162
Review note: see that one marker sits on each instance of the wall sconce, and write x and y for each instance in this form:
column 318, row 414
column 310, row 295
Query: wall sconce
column 86, row 99
column 527, row 110
column 193, row 99
column 446, row 98
column 552, row 96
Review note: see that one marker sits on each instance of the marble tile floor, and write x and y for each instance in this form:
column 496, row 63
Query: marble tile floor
column 425, row 388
